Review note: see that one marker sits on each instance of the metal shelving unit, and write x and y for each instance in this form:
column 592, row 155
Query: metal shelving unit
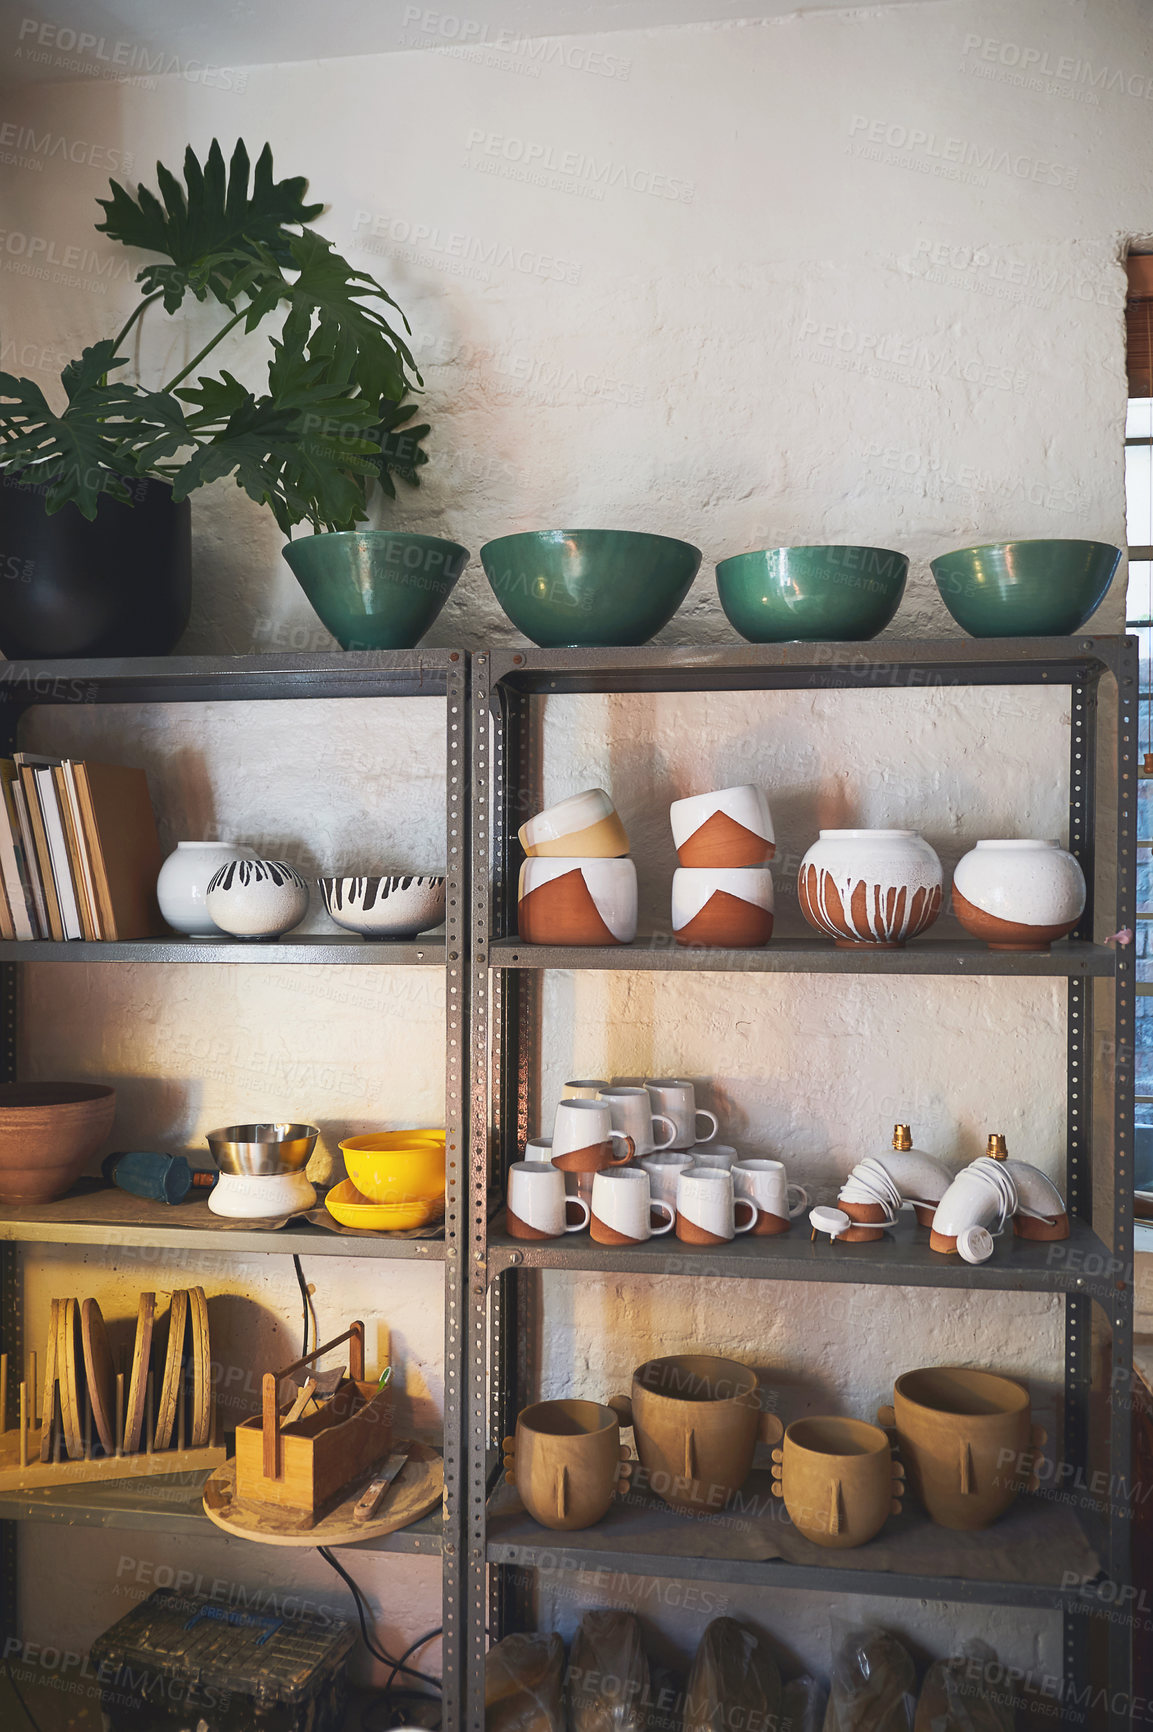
column 1091, row 1271
column 111, row 1218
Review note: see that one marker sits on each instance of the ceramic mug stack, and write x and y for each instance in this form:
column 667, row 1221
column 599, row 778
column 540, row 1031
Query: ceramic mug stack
column 722, row 888
column 577, row 885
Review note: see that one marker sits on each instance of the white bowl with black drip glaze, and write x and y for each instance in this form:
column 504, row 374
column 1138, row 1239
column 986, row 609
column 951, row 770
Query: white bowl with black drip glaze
column 396, row 907
column 257, row 898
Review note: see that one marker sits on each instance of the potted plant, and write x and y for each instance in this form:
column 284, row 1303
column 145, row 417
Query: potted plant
column 94, row 492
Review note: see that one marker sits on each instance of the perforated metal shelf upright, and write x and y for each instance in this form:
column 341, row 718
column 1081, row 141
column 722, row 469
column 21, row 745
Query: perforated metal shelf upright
column 1091, row 1273
column 111, row 1218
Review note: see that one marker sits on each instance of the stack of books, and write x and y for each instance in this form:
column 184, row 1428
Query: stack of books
column 79, row 853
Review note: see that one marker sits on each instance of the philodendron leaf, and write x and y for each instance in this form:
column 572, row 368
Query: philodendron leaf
column 398, row 446
column 213, row 227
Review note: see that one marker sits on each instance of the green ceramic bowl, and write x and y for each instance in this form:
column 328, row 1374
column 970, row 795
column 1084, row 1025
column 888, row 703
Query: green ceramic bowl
column 812, row 594
column 581, row 588
column 1025, row 588
column 376, row 589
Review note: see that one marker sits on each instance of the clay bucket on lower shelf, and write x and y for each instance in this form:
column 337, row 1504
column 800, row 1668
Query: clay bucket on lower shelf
column 566, row 1462
column 838, row 1479
column 966, row 1441
column 696, row 1420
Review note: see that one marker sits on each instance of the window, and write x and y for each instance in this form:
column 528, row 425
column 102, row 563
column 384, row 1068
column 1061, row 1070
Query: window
column 1139, row 619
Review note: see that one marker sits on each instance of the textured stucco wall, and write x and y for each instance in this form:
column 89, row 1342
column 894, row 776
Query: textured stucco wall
column 885, row 305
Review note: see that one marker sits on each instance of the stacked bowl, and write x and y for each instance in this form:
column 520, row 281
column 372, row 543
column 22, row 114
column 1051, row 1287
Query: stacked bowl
column 577, row 885
column 396, row 1181
column 723, row 888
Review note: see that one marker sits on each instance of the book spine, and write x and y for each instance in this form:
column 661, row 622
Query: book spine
column 58, row 852
column 43, row 858
column 32, row 864
column 16, row 884
column 76, row 863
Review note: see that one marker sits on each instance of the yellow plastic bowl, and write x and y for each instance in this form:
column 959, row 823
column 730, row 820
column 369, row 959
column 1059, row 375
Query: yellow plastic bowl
column 396, row 1166
column 346, row 1205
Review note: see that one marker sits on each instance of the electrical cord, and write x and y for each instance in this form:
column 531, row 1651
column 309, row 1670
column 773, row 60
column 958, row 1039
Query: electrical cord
column 378, row 1653
column 309, row 1308
column 16, row 1691
column 414, row 1647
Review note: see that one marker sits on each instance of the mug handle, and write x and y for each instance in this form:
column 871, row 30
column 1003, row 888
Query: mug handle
column 703, row 1113
column 769, row 1429
column 886, row 1418
column 745, row 1203
column 672, row 1136
column 658, row 1203
column 622, row 1406
column 575, row 1202
column 803, row 1204
column 619, row 1160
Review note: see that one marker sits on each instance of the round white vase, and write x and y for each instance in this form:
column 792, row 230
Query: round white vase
column 182, row 886
column 257, row 898
column 1018, row 895
column 875, row 887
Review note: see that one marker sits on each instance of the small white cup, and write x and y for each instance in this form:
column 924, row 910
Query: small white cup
column 765, row 1184
column 719, row 1155
column 623, row 1208
column 583, row 1138
column 538, row 1149
column 584, row 1089
column 632, row 1112
column 664, row 1168
column 707, row 1208
column 677, row 1100
column 538, row 1207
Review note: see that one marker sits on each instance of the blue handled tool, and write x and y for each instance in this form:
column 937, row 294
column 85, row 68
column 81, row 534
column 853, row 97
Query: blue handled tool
column 159, row 1178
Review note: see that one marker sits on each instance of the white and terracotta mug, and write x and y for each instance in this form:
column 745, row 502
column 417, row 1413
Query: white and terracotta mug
column 765, row 1183
column 584, row 1141
column 708, row 1212
column 564, row 900
column 664, row 1168
column 730, row 907
column 719, row 1155
column 585, row 826
column 632, row 1112
column 538, row 1207
column 731, row 827
column 677, row 1100
column 584, row 1088
column 623, row 1208
column 538, row 1149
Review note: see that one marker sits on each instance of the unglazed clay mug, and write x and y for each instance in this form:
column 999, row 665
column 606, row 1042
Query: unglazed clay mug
column 624, row 1211
column 728, row 907
column 567, row 1461
column 838, row 1479
column 577, row 901
column 696, row 1421
column 731, row 827
column 584, row 1141
column 765, row 1184
column 632, row 1112
column 584, row 827
column 677, row 1100
column 538, row 1206
column 708, row 1213
column 664, row 1169
column 966, row 1441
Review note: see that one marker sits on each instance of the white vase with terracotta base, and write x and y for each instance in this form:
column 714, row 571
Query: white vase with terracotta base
column 729, row 908
column 1018, row 895
column 731, row 827
column 577, row 901
column 870, row 887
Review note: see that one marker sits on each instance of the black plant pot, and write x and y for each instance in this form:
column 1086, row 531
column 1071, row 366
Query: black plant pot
column 120, row 585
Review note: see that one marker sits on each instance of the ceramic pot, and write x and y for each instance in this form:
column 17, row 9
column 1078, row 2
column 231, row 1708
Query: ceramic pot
column 875, row 887
column 117, row 585
column 566, row 1462
column 584, row 827
column 1018, row 895
column 376, row 589
column 257, row 898
column 696, row 1421
column 732, row 827
column 1025, row 588
column 570, row 901
column 966, row 1442
column 182, row 887
column 571, row 588
column 727, row 907
column 821, row 594
column 395, row 907
column 838, row 1479
column 49, row 1131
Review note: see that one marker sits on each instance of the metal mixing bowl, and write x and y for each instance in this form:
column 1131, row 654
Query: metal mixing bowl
column 256, row 1150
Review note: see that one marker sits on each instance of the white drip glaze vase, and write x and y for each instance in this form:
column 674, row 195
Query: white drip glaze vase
column 870, row 887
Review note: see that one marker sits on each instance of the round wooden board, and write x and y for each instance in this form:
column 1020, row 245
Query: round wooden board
column 48, row 1408
column 100, row 1373
column 173, row 1368
column 200, row 1426
column 70, row 1374
column 418, row 1488
column 138, row 1381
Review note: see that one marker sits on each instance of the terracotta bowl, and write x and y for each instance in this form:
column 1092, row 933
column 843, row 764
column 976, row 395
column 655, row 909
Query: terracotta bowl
column 49, row 1131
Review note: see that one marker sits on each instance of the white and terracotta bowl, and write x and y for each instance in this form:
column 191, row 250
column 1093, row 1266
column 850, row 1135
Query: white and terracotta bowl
column 399, row 906
column 257, row 898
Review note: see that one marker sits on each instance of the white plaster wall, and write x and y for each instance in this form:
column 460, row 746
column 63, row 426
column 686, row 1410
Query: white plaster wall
column 884, row 306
